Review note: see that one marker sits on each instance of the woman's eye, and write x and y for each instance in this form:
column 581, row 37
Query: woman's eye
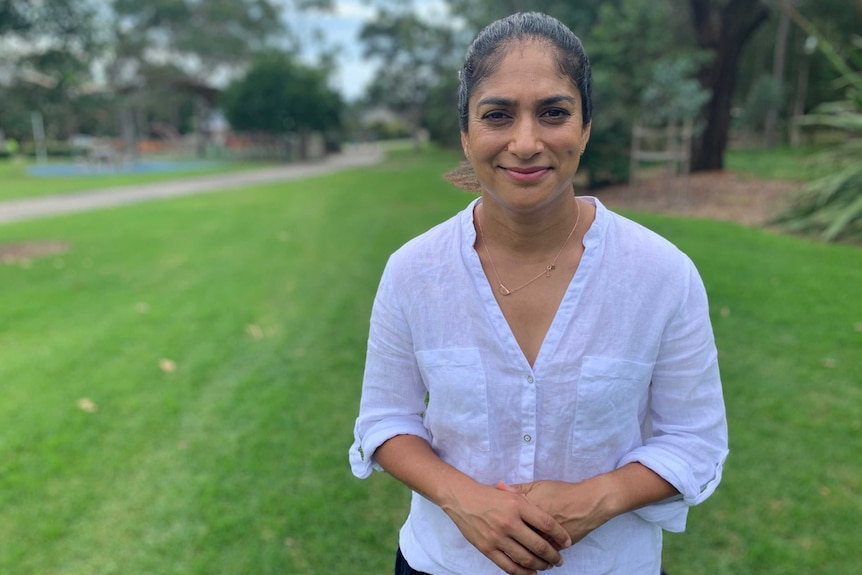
column 494, row 116
column 557, row 113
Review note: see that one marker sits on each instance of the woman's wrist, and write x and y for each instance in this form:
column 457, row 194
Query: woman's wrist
column 631, row 487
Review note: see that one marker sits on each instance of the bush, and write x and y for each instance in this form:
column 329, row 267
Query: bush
column 55, row 149
column 831, row 206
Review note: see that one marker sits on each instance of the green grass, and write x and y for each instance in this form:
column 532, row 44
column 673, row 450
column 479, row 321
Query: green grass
column 781, row 163
column 788, row 323
column 15, row 182
column 237, row 461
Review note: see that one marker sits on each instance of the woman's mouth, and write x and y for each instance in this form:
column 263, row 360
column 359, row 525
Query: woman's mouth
column 527, row 174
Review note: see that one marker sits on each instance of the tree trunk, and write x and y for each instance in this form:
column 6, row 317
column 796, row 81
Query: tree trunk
column 778, row 60
column 801, row 97
column 724, row 31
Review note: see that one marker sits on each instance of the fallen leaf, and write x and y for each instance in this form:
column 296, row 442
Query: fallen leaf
column 829, row 362
column 85, row 404
column 725, row 312
column 254, row 331
column 142, row 307
column 167, row 365
column 858, row 326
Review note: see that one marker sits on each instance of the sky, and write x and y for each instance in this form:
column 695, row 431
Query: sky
column 341, row 27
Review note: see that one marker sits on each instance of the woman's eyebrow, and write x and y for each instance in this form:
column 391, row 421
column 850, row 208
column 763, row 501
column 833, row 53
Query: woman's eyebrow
column 496, row 101
column 507, row 103
column 551, row 100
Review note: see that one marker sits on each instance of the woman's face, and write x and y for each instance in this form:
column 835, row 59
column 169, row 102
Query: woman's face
column 525, row 129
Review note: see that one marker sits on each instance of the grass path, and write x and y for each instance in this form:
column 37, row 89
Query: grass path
column 232, row 458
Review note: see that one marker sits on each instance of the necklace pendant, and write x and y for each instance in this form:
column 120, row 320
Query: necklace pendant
column 504, row 290
column 551, row 267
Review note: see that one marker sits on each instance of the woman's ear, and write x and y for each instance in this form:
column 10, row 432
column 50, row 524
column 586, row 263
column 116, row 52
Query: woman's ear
column 465, row 145
column 586, row 137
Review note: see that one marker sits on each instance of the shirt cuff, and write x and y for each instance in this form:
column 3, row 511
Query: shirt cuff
column 671, row 514
column 362, row 461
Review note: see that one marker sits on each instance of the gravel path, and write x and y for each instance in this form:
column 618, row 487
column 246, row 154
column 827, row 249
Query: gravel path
column 45, row 206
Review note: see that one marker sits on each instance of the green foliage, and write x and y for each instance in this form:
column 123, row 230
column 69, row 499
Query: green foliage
column 414, row 56
column 14, row 17
column 673, row 93
column 643, row 69
column 208, row 33
column 441, row 113
column 278, row 95
column 57, row 40
column 765, row 95
column 831, row 206
column 579, row 16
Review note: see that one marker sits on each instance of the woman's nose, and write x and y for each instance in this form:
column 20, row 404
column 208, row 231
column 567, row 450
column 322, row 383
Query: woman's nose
column 525, row 141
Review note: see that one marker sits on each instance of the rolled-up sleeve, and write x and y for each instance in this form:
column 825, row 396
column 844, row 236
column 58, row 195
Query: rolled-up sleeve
column 393, row 393
column 688, row 443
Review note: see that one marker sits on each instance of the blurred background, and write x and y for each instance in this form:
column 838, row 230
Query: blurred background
column 179, row 379
column 293, row 79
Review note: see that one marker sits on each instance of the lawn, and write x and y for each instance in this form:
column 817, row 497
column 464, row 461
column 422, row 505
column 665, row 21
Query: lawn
column 16, row 183
column 179, row 388
column 783, row 163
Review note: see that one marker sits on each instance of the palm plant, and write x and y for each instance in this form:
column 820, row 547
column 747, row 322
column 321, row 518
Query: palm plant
column 831, row 206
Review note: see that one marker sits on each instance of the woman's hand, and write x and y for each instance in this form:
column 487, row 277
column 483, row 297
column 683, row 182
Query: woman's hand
column 508, row 528
column 578, row 507
column 582, row 507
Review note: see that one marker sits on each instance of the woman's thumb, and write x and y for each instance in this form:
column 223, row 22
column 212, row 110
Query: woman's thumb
column 506, row 487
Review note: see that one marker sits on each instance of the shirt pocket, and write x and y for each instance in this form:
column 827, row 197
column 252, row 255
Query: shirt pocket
column 607, row 413
column 457, row 411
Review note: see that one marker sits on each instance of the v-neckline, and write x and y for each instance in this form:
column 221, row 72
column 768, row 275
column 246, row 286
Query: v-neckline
column 562, row 315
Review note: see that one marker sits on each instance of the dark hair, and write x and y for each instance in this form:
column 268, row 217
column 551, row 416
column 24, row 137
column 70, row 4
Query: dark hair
column 488, row 49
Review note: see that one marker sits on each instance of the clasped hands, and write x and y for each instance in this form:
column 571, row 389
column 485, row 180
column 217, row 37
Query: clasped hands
column 522, row 528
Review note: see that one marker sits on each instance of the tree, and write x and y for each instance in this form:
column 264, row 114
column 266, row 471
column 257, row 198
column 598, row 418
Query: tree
column 14, row 16
column 180, row 46
column 278, row 95
column 722, row 27
column 579, row 16
column 49, row 71
column 200, row 37
column 415, row 56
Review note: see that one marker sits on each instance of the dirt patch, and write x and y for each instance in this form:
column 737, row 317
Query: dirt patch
column 13, row 253
column 716, row 195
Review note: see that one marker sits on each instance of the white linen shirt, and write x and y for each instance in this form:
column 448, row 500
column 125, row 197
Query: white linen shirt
column 627, row 372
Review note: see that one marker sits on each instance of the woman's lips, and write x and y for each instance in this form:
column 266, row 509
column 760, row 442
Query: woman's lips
column 526, row 174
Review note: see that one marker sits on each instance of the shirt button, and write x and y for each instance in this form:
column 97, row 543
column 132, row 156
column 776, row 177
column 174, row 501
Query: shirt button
column 530, row 379
column 528, row 439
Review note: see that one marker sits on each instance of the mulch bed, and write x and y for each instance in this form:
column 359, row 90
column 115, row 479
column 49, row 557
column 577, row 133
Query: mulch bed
column 717, row 195
column 21, row 252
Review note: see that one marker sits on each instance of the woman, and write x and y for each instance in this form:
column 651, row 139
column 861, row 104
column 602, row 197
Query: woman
column 541, row 372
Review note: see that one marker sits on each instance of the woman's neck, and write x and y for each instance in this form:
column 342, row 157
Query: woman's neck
column 532, row 236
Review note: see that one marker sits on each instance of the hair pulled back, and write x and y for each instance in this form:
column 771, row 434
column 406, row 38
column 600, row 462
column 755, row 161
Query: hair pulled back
column 489, row 47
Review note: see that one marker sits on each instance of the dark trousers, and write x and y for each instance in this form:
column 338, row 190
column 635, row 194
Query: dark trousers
column 402, row 568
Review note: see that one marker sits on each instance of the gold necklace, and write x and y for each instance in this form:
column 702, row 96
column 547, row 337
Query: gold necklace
column 547, row 271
